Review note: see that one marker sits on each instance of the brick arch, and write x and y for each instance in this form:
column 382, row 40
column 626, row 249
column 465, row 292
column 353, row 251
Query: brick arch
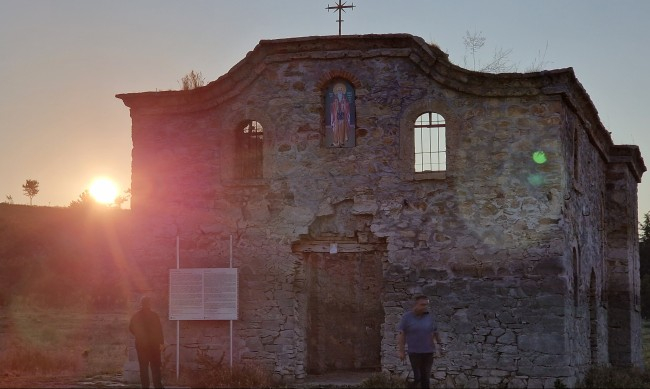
column 411, row 113
column 333, row 74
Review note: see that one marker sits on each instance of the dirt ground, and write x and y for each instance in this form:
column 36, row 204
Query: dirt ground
column 334, row 380
column 61, row 348
column 103, row 381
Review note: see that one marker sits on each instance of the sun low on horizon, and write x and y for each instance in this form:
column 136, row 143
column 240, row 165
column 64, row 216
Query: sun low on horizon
column 103, row 190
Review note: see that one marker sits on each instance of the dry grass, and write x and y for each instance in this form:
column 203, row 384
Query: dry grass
column 213, row 373
column 611, row 377
column 39, row 342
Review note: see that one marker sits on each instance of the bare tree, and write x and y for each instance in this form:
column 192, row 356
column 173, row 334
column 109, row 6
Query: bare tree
column 500, row 61
column 123, row 198
column 539, row 63
column 473, row 43
column 644, row 260
column 30, row 188
column 10, row 200
column 192, row 80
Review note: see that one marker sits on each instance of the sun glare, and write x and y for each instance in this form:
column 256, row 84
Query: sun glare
column 103, row 190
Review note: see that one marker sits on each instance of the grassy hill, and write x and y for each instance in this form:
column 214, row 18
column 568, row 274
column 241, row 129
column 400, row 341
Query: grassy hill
column 63, row 292
column 63, row 256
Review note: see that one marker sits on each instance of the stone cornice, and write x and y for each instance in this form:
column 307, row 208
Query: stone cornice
column 629, row 155
column 430, row 60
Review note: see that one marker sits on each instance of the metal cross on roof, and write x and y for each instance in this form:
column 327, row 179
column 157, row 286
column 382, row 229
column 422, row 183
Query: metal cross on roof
column 339, row 7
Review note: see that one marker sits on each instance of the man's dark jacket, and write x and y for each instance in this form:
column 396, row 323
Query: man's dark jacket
column 145, row 326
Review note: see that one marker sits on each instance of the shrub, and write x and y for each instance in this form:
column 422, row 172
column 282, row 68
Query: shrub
column 645, row 331
column 212, row 373
column 384, row 380
column 558, row 384
column 614, row 377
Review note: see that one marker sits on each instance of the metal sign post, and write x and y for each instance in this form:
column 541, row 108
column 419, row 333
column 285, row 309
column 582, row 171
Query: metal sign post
column 237, row 312
column 203, row 294
column 178, row 322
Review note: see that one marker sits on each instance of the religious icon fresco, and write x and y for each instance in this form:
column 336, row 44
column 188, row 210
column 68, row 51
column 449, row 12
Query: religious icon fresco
column 340, row 117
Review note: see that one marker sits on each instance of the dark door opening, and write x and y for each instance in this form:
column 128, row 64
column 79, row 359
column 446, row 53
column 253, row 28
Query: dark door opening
column 345, row 312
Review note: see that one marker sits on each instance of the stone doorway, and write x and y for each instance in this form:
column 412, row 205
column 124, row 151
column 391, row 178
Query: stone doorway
column 344, row 311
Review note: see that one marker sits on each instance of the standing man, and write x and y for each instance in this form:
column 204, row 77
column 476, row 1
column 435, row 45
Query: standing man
column 419, row 331
column 145, row 326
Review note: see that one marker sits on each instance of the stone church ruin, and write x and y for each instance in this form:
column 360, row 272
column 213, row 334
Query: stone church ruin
column 355, row 172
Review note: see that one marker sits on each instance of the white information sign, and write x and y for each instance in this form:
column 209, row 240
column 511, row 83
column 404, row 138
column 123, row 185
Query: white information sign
column 203, row 294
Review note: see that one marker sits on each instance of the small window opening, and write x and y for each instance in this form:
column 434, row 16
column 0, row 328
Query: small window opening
column 250, row 147
column 430, row 143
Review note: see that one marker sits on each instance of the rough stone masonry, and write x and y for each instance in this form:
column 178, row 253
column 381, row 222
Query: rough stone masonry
column 524, row 238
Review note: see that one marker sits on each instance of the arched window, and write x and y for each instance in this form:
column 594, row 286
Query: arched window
column 250, row 150
column 429, row 143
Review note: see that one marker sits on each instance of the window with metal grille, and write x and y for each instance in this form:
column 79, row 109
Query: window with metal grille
column 430, row 144
column 250, row 150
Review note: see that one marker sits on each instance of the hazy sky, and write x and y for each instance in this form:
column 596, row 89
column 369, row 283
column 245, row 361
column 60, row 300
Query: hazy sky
column 62, row 63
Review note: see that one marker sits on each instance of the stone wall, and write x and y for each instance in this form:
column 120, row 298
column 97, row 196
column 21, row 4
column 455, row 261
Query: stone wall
column 510, row 248
column 623, row 265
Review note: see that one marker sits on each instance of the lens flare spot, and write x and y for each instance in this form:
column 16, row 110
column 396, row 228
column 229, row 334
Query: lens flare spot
column 535, row 179
column 539, row 157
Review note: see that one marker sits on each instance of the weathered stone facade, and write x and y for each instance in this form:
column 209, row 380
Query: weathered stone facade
column 531, row 264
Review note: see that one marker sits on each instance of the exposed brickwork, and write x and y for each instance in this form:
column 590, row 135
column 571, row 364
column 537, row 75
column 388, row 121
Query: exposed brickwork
column 329, row 76
column 519, row 257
